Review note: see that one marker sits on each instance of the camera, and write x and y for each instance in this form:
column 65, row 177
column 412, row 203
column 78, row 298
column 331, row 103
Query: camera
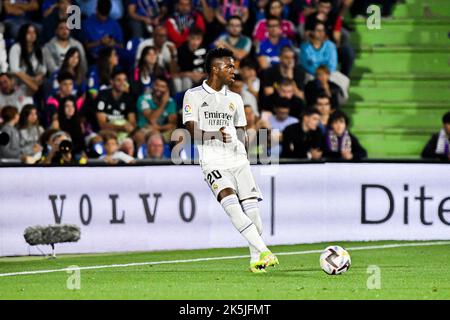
column 4, row 138
column 65, row 146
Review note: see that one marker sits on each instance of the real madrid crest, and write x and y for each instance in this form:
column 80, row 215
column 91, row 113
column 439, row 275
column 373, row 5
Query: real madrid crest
column 231, row 107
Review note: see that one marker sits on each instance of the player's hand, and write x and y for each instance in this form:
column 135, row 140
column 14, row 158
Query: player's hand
column 226, row 137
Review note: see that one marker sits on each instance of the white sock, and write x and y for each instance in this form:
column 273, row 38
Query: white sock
column 250, row 207
column 242, row 223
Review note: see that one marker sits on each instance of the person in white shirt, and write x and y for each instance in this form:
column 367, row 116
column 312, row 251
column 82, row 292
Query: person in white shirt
column 215, row 117
column 278, row 122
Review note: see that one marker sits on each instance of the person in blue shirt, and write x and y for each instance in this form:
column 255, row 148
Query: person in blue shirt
column 269, row 50
column 100, row 74
column 144, row 16
column 100, row 31
column 318, row 51
column 88, row 8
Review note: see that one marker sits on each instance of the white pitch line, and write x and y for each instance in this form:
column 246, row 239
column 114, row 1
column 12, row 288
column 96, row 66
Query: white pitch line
column 385, row 246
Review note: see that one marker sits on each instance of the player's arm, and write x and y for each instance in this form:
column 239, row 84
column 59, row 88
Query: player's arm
column 200, row 135
column 243, row 136
column 240, row 122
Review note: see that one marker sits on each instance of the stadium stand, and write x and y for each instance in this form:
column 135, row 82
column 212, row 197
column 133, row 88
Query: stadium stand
column 401, row 78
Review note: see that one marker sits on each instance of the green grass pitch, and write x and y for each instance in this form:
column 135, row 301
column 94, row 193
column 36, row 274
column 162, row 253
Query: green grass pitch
column 409, row 272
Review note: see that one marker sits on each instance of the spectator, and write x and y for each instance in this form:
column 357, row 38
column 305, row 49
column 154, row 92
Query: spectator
column 278, row 122
column 55, row 50
column 229, row 8
column 286, row 89
column 127, row 147
column 144, row 16
column 158, row 111
column 248, row 70
column 10, row 116
column 233, row 39
column 100, row 31
column 438, row 147
column 89, row 7
column 323, row 105
column 155, row 147
column 94, row 145
column 286, row 69
column 322, row 85
column 259, row 8
column 206, row 8
column 335, row 32
column 165, row 50
column 274, row 9
column 53, row 102
column 72, row 65
column 318, row 51
column 138, row 136
column 69, row 121
column 100, row 74
column 18, row 13
column 146, row 72
column 115, row 107
column 3, row 55
column 59, row 149
column 257, row 145
column 29, row 133
column 112, row 153
column 303, row 140
column 11, row 93
column 191, row 71
column 51, row 22
column 26, row 60
column 340, row 143
column 182, row 21
column 238, row 87
column 269, row 50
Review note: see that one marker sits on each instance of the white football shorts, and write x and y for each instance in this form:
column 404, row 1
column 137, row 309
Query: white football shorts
column 240, row 179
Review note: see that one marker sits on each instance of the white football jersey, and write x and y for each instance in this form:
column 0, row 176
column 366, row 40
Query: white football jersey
column 213, row 110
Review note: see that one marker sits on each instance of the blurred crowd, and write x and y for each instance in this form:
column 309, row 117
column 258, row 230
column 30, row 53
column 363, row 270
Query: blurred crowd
column 106, row 82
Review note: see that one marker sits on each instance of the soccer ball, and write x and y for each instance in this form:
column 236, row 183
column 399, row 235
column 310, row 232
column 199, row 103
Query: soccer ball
column 335, row 260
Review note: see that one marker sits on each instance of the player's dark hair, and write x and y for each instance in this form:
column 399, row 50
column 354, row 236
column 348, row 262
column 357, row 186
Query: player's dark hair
column 216, row 53
column 446, row 118
column 338, row 115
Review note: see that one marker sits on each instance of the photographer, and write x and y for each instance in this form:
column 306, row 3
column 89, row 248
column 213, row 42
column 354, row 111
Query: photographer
column 59, row 149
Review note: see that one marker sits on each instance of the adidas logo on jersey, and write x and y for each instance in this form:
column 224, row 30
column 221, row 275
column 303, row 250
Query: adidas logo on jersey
column 204, row 104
